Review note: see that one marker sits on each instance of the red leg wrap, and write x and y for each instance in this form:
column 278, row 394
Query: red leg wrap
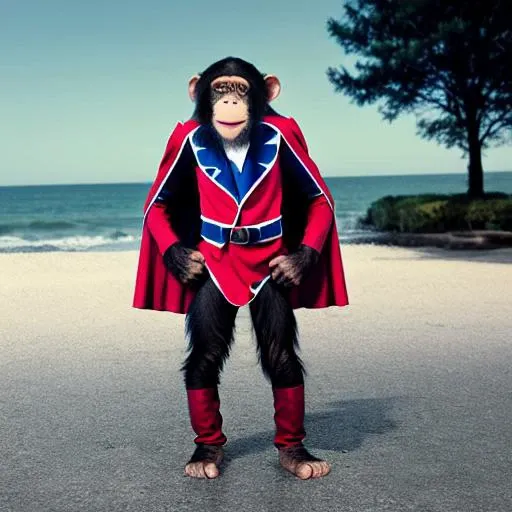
column 206, row 420
column 289, row 416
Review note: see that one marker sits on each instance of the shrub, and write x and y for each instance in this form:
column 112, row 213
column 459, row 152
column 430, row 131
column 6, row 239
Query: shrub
column 437, row 213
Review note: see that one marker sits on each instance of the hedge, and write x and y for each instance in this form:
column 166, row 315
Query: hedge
column 438, row 213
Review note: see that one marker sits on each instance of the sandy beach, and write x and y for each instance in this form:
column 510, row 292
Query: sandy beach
column 409, row 391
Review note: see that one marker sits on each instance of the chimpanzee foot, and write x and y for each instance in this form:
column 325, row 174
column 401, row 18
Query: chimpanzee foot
column 302, row 464
column 205, row 462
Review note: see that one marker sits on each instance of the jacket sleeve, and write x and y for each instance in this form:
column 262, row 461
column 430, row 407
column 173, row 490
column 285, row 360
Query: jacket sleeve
column 319, row 222
column 160, row 227
column 320, row 212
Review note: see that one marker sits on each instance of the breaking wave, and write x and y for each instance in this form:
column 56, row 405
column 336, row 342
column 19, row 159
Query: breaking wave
column 117, row 240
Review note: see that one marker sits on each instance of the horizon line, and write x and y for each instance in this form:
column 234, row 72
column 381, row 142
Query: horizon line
column 325, row 177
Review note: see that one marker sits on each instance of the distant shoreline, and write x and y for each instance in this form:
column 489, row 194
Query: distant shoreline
column 472, row 240
column 352, row 176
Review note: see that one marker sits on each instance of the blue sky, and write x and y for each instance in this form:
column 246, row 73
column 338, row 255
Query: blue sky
column 89, row 91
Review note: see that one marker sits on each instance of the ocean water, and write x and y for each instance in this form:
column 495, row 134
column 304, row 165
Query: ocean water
column 108, row 217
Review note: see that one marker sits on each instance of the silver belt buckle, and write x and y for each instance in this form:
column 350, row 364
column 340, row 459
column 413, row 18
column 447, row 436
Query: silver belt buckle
column 240, row 236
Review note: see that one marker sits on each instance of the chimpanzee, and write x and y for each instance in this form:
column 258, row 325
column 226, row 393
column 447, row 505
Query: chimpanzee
column 239, row 215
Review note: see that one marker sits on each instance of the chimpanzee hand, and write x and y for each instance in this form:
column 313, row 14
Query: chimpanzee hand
column 289, row 270
column 184, row 263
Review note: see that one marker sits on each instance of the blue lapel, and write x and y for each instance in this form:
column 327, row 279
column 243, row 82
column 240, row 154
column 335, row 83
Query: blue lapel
column 213, row 162
column 260, row 159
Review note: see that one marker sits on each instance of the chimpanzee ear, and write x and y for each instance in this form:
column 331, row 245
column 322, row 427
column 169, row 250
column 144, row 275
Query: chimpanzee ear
column 273, row 87
column 192, row 87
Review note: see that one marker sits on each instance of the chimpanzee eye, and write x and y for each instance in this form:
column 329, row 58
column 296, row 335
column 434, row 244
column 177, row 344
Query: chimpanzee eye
column 242, row 89
column 222, row 88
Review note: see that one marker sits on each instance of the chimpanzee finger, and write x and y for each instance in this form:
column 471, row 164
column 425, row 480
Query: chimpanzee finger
column 277, row 260
column 193, row 278
column 283, row 278
column 200, row 276
column 276, row 273
column 290, row 278
column 196, row 256
column 195, row 267
column 286, row 265
column 290, row 282
column 280, row 274
column 197, row 276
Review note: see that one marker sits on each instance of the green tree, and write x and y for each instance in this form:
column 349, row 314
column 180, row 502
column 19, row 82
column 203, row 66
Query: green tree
column 448, row 62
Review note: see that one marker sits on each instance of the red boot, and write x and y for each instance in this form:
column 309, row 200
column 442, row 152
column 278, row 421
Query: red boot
column 289, row 416
column 205, row 418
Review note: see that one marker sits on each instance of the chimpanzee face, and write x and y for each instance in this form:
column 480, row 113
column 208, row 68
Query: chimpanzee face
column 232, row 96
column 230, row 106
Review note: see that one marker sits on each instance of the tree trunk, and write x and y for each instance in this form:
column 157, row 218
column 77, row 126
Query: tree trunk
column 475, row 169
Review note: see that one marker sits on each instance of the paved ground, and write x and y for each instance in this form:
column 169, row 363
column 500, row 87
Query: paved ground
column 409, row 395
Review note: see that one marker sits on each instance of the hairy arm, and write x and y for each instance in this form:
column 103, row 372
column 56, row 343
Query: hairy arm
column 184, row 263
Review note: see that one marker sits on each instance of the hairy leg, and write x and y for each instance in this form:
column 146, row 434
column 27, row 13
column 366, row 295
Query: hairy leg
column 210, row 327
column 275, row 327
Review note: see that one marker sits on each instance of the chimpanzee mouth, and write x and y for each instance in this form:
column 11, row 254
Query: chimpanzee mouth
column 226, row 123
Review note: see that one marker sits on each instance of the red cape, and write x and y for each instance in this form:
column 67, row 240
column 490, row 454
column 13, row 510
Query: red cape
column 157, row 289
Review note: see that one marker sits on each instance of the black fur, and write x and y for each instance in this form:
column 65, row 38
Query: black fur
column 176, row 259
column 210, row 325
column 182, row 203
column 294, row 207
column 206, row 453
column 299, row 454
column 275, row 327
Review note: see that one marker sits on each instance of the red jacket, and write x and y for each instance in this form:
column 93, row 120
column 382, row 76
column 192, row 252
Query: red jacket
column 195, row 197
